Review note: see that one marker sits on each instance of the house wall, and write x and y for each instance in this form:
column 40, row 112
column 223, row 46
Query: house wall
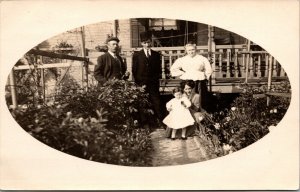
column 202, row 34
column 95, row 34
column 127, row 30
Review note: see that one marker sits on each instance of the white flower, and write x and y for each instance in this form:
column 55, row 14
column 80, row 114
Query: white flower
column 228, row 119
column 80, row 120
column 201, row 118
column 94, row 120
column 135, row 122
column 36, row 121
column 271, row 128
column 23, row 106
column 271, row 111
column 217, row 125
column 275, row 111
column 69, row 114
column 226, row 147
column 58, row 106
column 233, row 108
column 39, row 106
column 50, row 103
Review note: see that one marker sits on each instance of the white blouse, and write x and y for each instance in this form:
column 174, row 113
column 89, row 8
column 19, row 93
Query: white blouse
column 191, row 68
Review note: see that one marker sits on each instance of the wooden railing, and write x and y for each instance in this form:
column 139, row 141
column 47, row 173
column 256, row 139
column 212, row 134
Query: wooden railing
column 230, row 63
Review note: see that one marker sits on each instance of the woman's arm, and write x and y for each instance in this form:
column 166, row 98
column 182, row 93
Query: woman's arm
column 208, row 70
column 176, row 69
column 195, row 102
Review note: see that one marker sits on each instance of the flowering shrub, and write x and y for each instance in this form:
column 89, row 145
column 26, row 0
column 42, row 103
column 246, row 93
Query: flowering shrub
column 246, row 121
column 98, row 125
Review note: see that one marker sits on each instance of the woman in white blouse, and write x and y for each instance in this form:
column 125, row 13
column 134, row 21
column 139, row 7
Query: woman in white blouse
column 193, row 67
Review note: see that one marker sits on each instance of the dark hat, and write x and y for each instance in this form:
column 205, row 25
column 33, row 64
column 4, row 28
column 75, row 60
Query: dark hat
column 145, row 36
column 112, row 39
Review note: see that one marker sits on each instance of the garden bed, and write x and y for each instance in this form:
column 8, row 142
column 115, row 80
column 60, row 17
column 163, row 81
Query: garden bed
column 100, row 125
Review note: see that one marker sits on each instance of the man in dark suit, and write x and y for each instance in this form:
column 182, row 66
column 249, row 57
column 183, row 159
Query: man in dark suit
column 146, row 70
column 110, row 65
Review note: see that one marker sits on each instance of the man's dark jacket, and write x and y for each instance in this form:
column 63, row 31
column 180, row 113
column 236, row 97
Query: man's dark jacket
column 146, row 70
column 104, row 69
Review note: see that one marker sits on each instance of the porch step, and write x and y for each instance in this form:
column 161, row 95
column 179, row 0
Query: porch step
column 221, row 85
column 250, row 80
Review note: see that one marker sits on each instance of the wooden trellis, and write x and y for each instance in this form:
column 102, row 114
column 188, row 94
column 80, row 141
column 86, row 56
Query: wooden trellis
column 82, row 61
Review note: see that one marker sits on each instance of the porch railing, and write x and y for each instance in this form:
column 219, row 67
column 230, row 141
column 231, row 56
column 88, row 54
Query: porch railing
column 230, row 63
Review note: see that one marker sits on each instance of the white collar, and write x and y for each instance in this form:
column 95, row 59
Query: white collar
column 145, row 51
column 112, row 54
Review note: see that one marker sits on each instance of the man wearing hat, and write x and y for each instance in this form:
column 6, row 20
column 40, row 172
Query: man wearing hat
column 110, row 65
column 146, row 70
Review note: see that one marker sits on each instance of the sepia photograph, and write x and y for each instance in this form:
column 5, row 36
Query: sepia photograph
column 150, row 94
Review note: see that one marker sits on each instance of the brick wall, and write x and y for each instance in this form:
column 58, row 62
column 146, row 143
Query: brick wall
column 124, row 33
column 95, row 34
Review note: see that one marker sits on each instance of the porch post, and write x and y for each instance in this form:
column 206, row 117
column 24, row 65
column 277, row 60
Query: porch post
column 270, row 73
column 247, row 61
column 211, row 46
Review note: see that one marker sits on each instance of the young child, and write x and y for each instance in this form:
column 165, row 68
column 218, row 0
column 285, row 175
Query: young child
column 179, row 116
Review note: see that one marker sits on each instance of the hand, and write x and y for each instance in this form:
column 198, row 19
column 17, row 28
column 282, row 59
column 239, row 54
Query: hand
column 127, row 74
column 202, row 68
column 182, row 103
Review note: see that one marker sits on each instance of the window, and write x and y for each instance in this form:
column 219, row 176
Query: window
column 162, row 24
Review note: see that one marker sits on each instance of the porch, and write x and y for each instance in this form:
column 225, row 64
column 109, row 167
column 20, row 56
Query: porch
column 231, row 64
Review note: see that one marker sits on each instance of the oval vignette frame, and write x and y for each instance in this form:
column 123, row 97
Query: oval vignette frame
column 243, row 152
column 233, row 58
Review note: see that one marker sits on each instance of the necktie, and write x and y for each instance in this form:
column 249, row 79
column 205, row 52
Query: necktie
column 147, row 53
column 118, row 61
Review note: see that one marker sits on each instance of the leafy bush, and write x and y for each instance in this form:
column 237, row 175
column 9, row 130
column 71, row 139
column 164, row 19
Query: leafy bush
column 245, row 121
column 98, row 125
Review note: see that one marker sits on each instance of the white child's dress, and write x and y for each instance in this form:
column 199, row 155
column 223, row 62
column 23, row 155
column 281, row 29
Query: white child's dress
column 180, row 116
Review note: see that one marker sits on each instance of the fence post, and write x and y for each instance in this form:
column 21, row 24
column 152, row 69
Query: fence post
column 13, row 89
column 43, row 84
column 85, row 77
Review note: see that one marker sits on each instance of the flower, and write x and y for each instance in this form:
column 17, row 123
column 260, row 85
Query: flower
column 271, row 128
column 23, row 106
column 58, row 106
column 275, row 110
column 80, row 120
column 135, row 122
column 227, row 147
column 39, row 106
column 94, row 120
column 227, row 119
column 217, row 126
column 233, row 108
column 271, row 111
column 69, row 114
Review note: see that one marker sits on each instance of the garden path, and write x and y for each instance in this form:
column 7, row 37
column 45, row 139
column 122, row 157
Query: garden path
column 177, row 152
